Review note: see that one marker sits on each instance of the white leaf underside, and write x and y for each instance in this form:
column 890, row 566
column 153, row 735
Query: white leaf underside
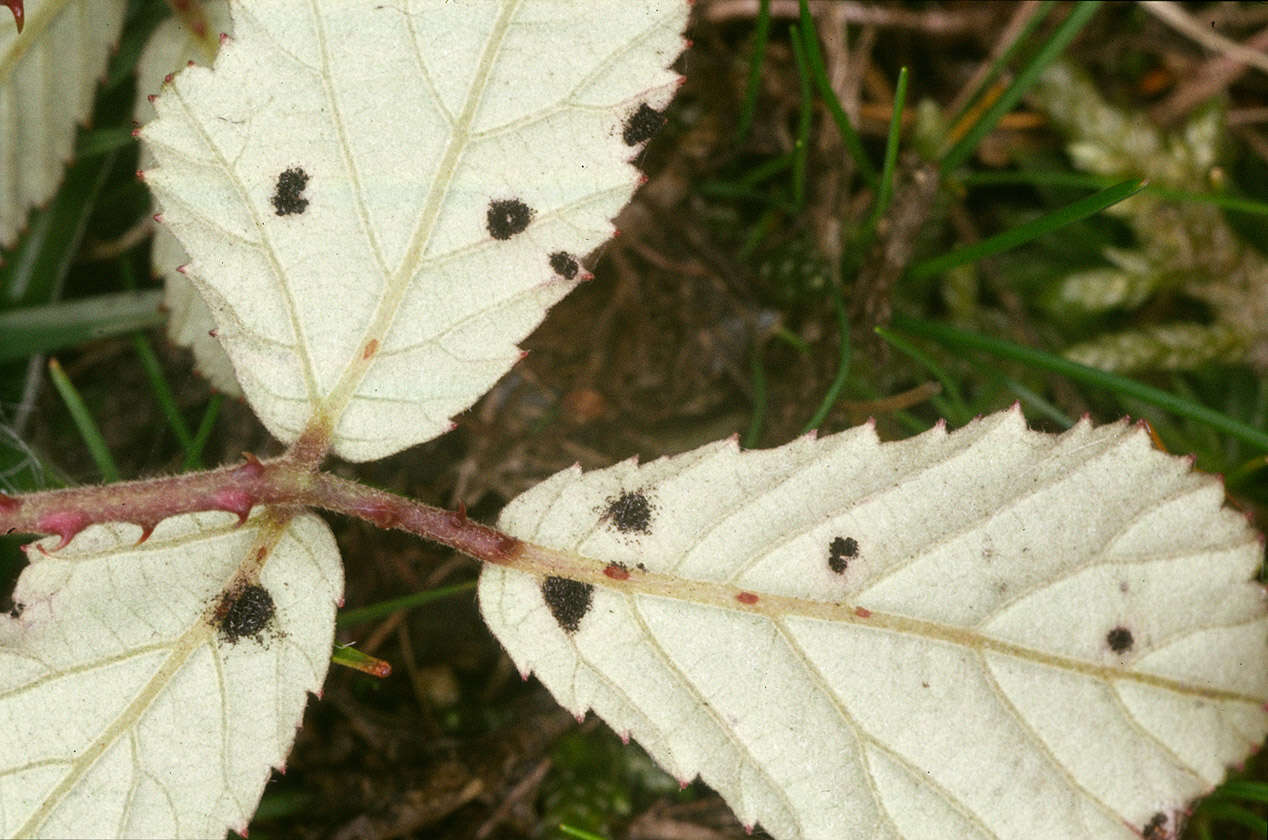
column 958, row 677
column 48, row 75
column 189, row 322
column 366, row 290
column 127, row 710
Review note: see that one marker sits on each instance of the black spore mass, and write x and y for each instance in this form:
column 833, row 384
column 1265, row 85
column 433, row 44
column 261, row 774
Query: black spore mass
column 839, row 552
column 507, row 217
column 642, row 125
column 563, row 264
column 286, row 197
column 246, row 612
column 1156, row 828
column 1119, row 639
column 630, row 513
column 568, row 601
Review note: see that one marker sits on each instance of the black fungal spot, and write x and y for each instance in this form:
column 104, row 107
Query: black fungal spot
column 1119, row 639
column 1156, row 828
column 507, row 217
column 244, row 612
column 562, row 263
column 642, row 125
column 839, row 552
column 286, row 197
column 568, row 601
column 16, row 610
column 630, row 513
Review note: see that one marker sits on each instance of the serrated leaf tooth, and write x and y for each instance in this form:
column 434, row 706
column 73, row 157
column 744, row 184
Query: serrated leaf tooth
column 1032, row 588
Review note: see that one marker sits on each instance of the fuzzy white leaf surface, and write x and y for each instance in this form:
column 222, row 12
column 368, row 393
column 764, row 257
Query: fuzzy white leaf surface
column 48, row 75
column 128, row 708
column 380, row 199
column 993, row 633
column 189, row 324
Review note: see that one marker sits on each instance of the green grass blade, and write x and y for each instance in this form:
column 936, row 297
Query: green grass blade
column 886, row 191
column 34, row 271
column 162, row 391
column 349, row 657
column 41, row 329
column 958, row 339
column 1041, row 405
column 1048, row 178
column 383, row 609
column 83, row 421
column 849, row 137
column 754, row 433
column 1055, row 45
column 1023, row 233
column 142, row 20
column 734, row 191
column 194, row 455
column 843, row 364
column 805, row 113
column 1037, row 177
column 749, row 106
column 101, row 140
column 1227, row 812
column 578, row 833
column 1225, row 202
column 949, row 386
column 1244, row 789
column 767, row 169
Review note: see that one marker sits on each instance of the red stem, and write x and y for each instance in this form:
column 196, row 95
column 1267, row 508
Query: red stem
column 281, row 481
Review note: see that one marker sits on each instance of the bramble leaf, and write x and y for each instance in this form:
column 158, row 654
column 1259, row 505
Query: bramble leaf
column 380, row 201
column 148, row 689
column 173, row 45
column 48, row 74
column 993, row 633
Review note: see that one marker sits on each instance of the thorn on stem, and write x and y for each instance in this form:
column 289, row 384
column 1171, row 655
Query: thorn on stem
column 19, row 14
column 65, row 524
column 147, row 528
column 233, row 501
column 458, row 518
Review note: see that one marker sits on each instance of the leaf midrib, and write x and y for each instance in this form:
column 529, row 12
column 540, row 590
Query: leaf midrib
column 336, row 402
column 200, row 632
column 543, row 562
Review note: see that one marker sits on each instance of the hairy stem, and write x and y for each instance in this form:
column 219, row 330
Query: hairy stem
column 280, row 481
